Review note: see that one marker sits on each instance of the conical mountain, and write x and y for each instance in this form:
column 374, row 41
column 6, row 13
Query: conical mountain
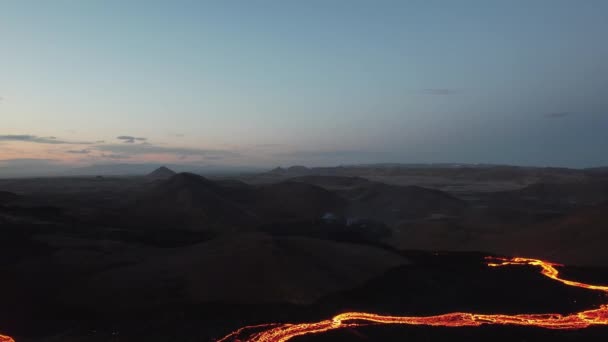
column 189, row 201
column 162, row 172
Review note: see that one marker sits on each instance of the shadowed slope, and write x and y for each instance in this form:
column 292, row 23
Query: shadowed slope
column 188, row 201
column 296, row 201
column 391, row 203
column 249, row 268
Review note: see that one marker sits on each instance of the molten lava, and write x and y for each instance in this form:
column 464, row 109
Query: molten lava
column 277, row 332
column 284, row 332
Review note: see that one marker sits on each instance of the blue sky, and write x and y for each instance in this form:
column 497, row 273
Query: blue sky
column 267, row 83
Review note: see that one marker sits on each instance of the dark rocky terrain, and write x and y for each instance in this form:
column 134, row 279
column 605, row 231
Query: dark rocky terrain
column 188, row 258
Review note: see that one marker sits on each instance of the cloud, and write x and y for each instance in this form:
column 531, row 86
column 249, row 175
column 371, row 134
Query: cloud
column 130, row 139
column 557, row 115
column 114, row 156
column 439, row 91
column 83, row 151
column 40, row 140
column 142, row 149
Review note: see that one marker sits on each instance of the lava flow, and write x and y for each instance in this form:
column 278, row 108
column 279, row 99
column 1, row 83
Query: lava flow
column 284, row 332
column 6, row 339
column 277, row 332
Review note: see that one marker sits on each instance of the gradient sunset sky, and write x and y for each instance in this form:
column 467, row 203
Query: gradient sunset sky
column 268, row 83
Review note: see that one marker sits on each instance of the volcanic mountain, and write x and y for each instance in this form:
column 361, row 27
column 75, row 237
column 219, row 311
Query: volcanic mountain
column 295, row 201
column 188, row 201
column 192, row 202
column 162, row 172
column 387, row 203
column 245, row 268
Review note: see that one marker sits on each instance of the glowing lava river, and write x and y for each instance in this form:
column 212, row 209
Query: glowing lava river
column 281, row 332
column 284, row 332
column 6, row 339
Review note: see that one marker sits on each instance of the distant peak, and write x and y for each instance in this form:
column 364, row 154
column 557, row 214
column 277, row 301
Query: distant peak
column 162, row 172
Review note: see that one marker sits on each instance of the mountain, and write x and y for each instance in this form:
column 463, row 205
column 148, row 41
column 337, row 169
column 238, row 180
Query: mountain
column 392, row 203
column 295, row 201
column 141, row 169
column 188, row 201
column 470, row 172
column 386, row 203
column 192, row 202
column 244, row 268
column 161, row 173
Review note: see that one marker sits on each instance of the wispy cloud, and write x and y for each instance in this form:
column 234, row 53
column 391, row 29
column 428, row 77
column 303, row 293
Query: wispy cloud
column 114, row 156
column 143, row 149
column 130, row 139
column 557, row 115
column 129, row 148
column 83, row 151
column 40, row 140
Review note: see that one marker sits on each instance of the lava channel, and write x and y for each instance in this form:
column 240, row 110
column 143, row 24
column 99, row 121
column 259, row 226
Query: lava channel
column 275, row 332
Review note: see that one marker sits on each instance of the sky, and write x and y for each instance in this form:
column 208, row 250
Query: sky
column 268, row 83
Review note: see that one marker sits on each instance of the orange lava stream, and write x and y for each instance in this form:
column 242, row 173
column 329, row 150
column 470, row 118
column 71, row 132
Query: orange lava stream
column 284, row 332
column 277, row 332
